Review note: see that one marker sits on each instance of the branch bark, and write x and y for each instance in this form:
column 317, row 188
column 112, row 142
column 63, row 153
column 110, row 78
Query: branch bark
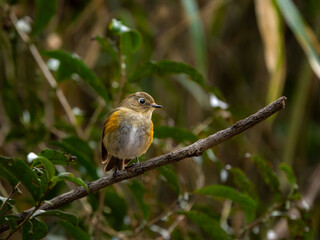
column 195, row 149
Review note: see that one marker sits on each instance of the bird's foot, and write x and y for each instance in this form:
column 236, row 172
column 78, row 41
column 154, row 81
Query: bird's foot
column 132, row 164
column 115, row 172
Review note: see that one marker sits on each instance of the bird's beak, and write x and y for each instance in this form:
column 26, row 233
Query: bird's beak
column 156, row 106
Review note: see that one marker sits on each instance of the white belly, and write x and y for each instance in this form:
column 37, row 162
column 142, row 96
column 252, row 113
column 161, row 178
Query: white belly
column 128, row 143
column 131, row 148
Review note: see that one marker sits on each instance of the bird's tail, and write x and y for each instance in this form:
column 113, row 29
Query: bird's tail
column 115, row 163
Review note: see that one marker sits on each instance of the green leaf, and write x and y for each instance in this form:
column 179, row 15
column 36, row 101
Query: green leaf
column 302, row 32
column 138, row 192
column 130, row 39
column 242, row 182
column 269, row 177
column 165, row 67
column 45, row 10
column 109, row 47
column 208, row 225
column 6, row 207
column 297, row 228
column 171, row 177
column 34, row 229
column 58, row 157
column 70, row 63
column 6, row 174
column 3, row 199
column 118, row 206
column 243, row 200
column 290, row 175
column 57, row 213
column 82, row 151
column 130, row 42
column 197, row 33
column 12, row 220
column 66, row 176
column 179, row 134
column 75, row 231
column 21, row 171
column 11, row 103
column 49, row 167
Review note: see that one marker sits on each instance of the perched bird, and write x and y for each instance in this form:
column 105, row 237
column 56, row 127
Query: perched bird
column 128, row 131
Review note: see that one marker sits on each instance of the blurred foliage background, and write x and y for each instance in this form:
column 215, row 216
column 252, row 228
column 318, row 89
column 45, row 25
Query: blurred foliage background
column 65, row 64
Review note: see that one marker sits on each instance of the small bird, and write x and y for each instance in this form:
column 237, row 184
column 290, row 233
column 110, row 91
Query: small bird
column 128, row 131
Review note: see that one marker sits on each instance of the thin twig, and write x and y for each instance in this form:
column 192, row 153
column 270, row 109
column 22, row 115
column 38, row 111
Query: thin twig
column 94, row 118
column 46, row 72
column 29, row 215
column 195, row 149
column 98, row 215
column 139, row 230
column 179, row 219
column 104, row 227
column 122, row 76
column 309, row 195
column 260, row 219
column 14, row 189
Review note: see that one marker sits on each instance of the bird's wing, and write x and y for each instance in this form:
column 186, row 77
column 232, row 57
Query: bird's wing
column 109, row 125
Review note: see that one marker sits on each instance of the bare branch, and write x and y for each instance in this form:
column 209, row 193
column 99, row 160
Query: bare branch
column 195, row 149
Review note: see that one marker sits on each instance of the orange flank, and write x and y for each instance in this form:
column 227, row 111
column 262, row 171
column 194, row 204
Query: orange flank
column 112, row 123
column 151, row 135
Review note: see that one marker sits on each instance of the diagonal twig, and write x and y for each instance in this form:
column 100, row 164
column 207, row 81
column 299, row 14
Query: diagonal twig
column 195, row 149
column 48, row 75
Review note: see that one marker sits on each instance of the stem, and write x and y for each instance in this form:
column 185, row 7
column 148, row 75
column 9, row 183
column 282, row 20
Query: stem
column 122, row 77
column 260, row 219
column 30, row 214
column 48, row 75
column 8, row 198
column 94, row 118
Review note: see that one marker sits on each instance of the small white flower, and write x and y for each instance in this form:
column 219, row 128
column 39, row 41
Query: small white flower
column 271, row 235
column 216, row 102
column 211, row 155
column 77, row 111
column 75, row 76
column 76, row 56
column 53, row 64
column 24, row 25
column 26, row 117
column 224, row 175
column 163, row 232
column 127, row 220
column 31, row 156
column 305, row 205
column 115, row 84
column 276, row 214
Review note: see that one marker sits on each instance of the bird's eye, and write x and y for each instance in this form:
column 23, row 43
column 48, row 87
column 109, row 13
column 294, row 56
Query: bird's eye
column 142, row 101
